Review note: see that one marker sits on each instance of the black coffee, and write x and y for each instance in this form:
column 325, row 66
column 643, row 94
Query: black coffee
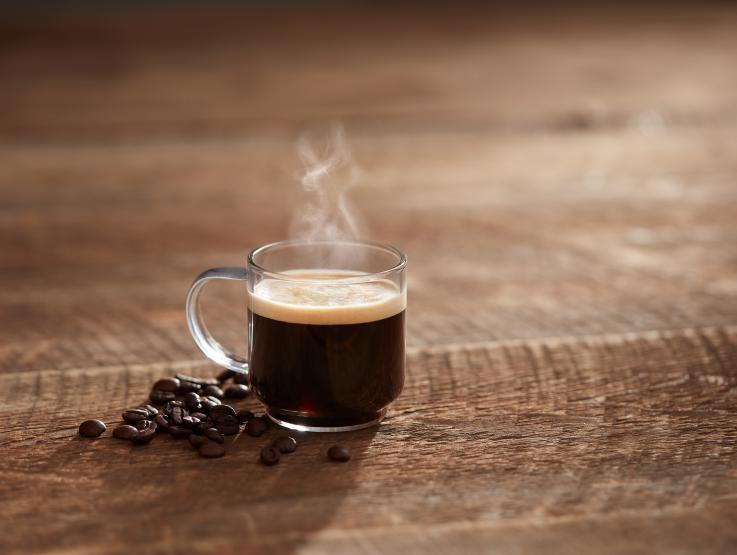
column 328, row 356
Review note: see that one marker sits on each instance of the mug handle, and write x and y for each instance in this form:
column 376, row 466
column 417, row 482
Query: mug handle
column 206, row 342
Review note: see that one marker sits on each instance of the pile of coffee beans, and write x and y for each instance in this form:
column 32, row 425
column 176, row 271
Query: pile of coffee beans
column 193, row 409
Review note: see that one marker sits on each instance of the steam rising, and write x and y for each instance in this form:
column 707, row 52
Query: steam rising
column 329, row 173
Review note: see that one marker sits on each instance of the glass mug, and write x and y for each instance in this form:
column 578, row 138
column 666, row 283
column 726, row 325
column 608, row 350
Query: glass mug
column 326, row 328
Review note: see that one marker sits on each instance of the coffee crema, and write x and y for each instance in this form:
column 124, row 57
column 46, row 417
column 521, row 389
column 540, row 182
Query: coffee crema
column 327, row 349
column 322, row 298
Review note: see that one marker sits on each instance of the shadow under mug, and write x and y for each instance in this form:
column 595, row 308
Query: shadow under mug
column 326, row 331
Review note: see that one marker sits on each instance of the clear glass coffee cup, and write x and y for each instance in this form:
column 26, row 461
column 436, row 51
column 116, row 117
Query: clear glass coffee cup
column 326, row 331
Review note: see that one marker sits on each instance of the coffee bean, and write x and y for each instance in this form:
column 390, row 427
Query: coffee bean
column 144, row 436
column 241, row 378
column 192, row 401
column 213, row 391
column 167, row 384
column 227, row 420
column 152, row 410
column 266, row 420
column 190, row 422
column 177, row 414
column 285, row 444
column 244, row 416
column 211, row 450
column 179, row 432
column 256, row 427
column 201, row 427
column 124, row 431
column 270, row 455
column 134, row 415
column 213, row 434
column 225, row 375
column 236, row 391
column 188, row 387
column 339, row 453
column 219, row 412
column 200, row 381
column 92, row 428
column 161, row 397
column 206, row 403
column 198, row 415
column 143, row 425
column 162, row 422
column 170, row 406
column 197, row 440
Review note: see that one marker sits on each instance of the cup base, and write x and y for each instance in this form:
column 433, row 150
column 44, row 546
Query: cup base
column 304, row 423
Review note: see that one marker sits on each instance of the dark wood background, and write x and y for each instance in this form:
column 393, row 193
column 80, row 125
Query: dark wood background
column 563, row 181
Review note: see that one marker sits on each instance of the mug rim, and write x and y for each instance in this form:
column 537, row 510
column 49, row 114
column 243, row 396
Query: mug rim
column 399, row 266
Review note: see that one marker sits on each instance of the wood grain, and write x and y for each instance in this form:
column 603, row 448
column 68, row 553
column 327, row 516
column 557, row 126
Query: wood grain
column 532, row 438
column 515, row 252
column 562, row 181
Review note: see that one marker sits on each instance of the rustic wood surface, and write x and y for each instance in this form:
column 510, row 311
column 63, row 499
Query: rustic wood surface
column 563, row 181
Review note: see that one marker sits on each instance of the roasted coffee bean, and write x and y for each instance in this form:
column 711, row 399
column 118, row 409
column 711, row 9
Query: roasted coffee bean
column 152, row 410
column 221, row 411
column 144, row 436
column 236, row 391
column 179, row 432
column 91, row 428
column 211, row 450
column 215, row 435
column 244, row 416
column 285, row 444
column 209, row 402
column 190, row 422
column 206, row 404
column 256, row 427
column 124, row 431
column 270, row 455
column 170, row 406
column 192, row 400
column 188, row 387
column 177, row 414
column 241, row 378
column 161, row 397
column 143, row 425
column 201, row 381
column 197, row 440
column 228, row 429
column 199, row 415
column 266, row 420
column 339, row 453
column 213, row 399
column 134, row 415
column 167, row 384
column 213, row 391
column 201, row 427
column 162, row 422
column 225, row 375
column 226, row 420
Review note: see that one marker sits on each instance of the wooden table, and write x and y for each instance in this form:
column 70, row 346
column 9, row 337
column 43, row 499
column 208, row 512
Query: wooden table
column 563, row 181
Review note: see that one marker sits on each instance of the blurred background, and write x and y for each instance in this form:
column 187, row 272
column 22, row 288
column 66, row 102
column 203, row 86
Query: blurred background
column 551, row 168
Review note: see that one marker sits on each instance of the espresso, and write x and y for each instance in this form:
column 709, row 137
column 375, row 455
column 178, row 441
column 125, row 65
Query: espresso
column 326, row 353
